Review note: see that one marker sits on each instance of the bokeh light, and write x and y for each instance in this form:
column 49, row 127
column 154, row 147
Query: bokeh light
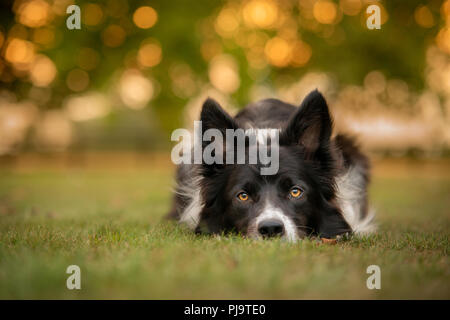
column 443, row 39
column 227, row 22
column 145, row 17
column 113, row 36
column 238, row 51
column 350, row 7
column 135, row 90
column 224, row 73
column 260, row 13
column 34, row 13
column 424, row 17
column 15, row 122
column 278, row 52
column 77, row 80
column 301, row 53
column 325, row 11
column 92, row 14
column 150, row 53
column 43, row 71
column 20, row 53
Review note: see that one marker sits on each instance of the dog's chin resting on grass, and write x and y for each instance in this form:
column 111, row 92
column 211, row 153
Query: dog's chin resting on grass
column 319, row 190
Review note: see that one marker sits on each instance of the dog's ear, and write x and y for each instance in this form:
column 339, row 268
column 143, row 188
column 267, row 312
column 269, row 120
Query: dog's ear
column 332, row 224
column 310, row 126
column 215, row 120
column 214, row 117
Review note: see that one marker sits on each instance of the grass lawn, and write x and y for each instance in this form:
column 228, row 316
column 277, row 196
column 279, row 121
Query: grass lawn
column 107, row 220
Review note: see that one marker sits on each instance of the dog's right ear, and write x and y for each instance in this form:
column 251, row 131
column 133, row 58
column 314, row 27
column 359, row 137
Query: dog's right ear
column 214, row 117
column 310, row 126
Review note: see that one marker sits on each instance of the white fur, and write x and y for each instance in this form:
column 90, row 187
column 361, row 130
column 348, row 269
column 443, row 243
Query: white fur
column 271, row 212
column 350, row 196
column 191, row 214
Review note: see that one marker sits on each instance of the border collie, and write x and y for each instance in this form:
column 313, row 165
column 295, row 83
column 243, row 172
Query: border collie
column 320, row 189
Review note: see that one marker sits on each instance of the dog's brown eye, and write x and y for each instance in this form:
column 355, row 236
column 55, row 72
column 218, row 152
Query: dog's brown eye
column 296, row 192
column 243, row 196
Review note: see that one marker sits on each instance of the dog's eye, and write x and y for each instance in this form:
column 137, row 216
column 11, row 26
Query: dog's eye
column 296, row 192
column 243, row 196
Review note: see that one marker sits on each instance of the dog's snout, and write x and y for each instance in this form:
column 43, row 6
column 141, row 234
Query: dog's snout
column 271, row 228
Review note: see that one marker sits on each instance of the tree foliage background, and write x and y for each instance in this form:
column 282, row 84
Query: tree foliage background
column 138, row 69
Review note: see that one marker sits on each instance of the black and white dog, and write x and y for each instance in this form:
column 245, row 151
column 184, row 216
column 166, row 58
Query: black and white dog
column 320, row 188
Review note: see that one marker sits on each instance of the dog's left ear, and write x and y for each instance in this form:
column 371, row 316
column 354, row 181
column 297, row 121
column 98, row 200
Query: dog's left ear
column 310, row 126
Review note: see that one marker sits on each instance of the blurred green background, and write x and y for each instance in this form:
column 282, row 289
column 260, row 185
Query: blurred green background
column 136, row 70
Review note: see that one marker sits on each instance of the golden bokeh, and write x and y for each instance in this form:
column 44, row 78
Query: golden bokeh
column 350, row 7
column 77, row 80
column 260, row 13
column 145, row 17
column 20, row 53
column 15, row 120
column 92, row 14
column 59, row 7
column 43, row 71
column 135, row 90
column 443, row 40
column 227, row 22
column 301, row 54
column 113, row 36
column 34, row 13
column 268, row 33
column 325, row 12
column 149, row 54
column 224, row 74
column 445, row 10
column 278, row 52
column 424, row 17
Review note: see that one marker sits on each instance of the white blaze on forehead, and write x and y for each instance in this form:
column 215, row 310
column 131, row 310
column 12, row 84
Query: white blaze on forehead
column 271, row 212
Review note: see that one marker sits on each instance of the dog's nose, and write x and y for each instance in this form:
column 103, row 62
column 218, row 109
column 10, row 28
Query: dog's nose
column 271, row 228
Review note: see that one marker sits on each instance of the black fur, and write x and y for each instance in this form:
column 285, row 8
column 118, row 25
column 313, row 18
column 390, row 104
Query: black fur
column 309, row 159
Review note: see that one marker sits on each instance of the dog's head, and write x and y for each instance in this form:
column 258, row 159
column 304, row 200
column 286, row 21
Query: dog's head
column 295, row 202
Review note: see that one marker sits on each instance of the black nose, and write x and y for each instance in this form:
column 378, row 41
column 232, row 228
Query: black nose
column 271, row 228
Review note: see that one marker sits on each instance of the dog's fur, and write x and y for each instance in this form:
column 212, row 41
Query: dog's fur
column 331, row 172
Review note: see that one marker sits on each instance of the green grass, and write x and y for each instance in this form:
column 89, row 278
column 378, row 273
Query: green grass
column 108, row 221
